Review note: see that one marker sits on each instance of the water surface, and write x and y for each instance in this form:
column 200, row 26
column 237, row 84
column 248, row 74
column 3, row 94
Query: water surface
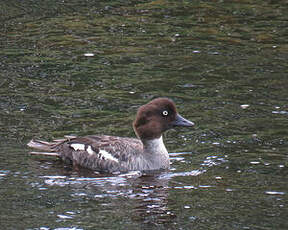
column 84, row 67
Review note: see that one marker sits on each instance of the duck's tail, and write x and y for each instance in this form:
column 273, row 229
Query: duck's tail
column 48, row 148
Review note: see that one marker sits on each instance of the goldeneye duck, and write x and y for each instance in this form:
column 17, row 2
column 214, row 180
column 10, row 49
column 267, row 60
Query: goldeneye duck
column 111, row 154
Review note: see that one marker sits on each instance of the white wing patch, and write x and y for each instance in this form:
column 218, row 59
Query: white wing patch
column 82, row 147
column 106, row 156
column 102, row 154
column 90, row 150
column 77, row 147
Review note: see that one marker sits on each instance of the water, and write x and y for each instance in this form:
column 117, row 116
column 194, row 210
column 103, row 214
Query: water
column 83, row 67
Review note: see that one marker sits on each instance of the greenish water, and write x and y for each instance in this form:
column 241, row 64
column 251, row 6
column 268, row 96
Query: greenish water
column 225, row 65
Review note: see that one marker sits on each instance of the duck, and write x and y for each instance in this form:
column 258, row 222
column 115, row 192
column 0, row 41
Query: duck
column 104, row 153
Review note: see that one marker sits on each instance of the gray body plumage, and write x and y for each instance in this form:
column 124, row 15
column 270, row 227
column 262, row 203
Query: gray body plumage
column 108, row 153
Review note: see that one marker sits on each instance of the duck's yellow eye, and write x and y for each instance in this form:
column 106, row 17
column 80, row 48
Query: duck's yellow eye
column 165, row 113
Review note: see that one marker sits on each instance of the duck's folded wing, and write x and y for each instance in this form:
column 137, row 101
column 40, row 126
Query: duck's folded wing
column 103, row 153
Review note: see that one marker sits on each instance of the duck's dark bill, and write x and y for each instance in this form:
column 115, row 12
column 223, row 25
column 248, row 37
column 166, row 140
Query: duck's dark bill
column 181, row 121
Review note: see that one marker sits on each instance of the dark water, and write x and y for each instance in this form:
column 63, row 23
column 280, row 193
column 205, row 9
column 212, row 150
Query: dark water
column 83, row 67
